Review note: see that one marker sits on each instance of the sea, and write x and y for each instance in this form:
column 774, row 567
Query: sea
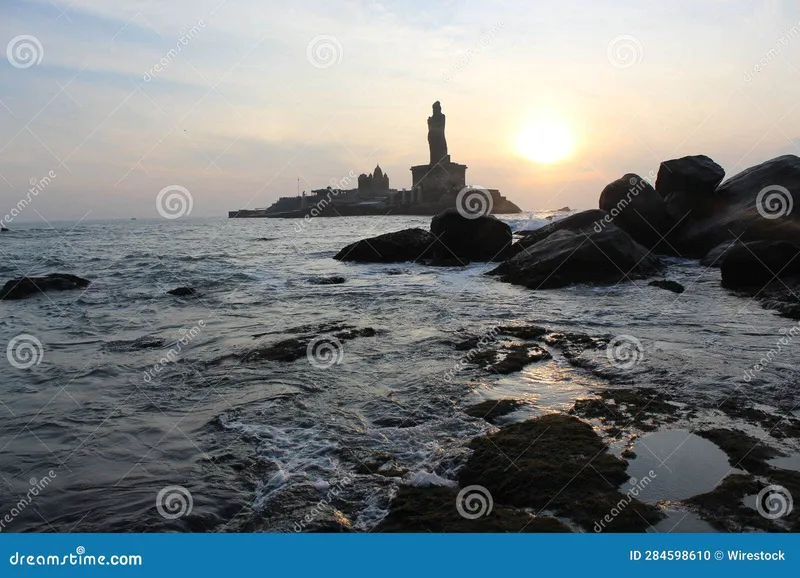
column 124, row 408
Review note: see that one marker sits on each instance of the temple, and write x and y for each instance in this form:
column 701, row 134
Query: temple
column 434, row 188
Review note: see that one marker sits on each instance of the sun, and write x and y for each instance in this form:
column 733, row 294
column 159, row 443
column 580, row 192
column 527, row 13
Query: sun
column 546, row 141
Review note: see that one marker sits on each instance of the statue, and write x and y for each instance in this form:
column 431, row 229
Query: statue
column 436, row 140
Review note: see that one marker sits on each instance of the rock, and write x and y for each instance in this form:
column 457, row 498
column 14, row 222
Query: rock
column 26, row 286
column 564, row 210
column 757, row 264
column 182, row 292
column 693, row 176
column 636, row 208
column 673, row 286
column 735, row 211
column 566, row 257
column 485, row 238
column 492, row 409
column 406, row 245
column 593, row 219
column 714, row 257
column 335, row 280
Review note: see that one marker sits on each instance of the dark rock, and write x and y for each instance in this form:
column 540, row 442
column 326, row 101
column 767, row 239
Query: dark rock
column 566, row 257
column 435, row 509
column 517, row 357
column 335, row 280
column 564, row 210
column 735, row 211
column 27, row 286
column 492, row 409
column 485, row 238
column 561, row 464
column 590, row 220
column 182, row 292
column 744, row 451
column 759, row 263
column 693, row 176
column 524, row 331
column 406, row 245
column 714, row 257
column 673, row 286
column 637, row 209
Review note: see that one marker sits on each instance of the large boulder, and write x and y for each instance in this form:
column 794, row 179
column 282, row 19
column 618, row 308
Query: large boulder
column 636, row 208
column 405, row 245
column 485, row 238
column 694, row 176
column 589, row 254
column 27, row 286
column 757, row 204
column 757, row 264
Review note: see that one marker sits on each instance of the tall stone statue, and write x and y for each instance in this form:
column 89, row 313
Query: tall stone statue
column 436, row 140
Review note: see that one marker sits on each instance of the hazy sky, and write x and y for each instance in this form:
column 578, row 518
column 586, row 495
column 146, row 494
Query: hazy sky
column 261, row 93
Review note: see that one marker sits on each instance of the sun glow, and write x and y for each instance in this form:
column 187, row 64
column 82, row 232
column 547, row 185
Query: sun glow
column 546, row 141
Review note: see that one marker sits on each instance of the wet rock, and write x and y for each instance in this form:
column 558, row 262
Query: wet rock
column 485, row 238
column 715, row 256
column 492, row 409
column 573, row 344
column 27, row 286
column 434, row 510
column 779, row 426
column 406, row 245
column 673, row 286
column 567, row 257
column 619, row 410
column 524, row 331
column 559, row 463
column 140, row 343
column 759, row 263
column 182, row 292
column 637, row 209
column 334, row 280
column 517, row 357
column 744, row 451
column 584, row 221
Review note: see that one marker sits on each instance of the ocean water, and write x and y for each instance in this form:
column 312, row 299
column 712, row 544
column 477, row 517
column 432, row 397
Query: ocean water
column 252, row 445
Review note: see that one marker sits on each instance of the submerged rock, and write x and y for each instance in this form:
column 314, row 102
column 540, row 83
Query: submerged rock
column 406, row 245
column 484, row 238
column 334, row 280
column 492, row 409
column 607, row 255
column 27, row 286
column 182, row 292
column 673, row 286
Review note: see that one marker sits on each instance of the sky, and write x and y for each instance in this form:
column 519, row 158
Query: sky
column 234, row 101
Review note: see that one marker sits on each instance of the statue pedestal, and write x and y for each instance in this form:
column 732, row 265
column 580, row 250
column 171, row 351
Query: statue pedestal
column 435, row 180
